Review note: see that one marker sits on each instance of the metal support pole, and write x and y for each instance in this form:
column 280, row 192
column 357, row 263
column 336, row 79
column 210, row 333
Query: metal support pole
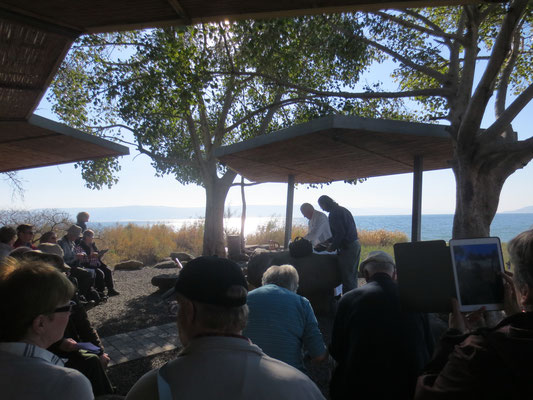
column 417, row 199
column 288, row 215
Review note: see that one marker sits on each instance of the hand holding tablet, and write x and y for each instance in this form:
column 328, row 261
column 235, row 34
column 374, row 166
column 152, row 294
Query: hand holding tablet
column 430, row 273
column 478, row 268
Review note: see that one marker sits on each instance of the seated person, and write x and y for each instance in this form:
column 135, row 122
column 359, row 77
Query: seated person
column 86, row 278
column 90, row 364
column 78, row 329
column 490, row 363
column 281, row 322
column 92, row 260
column 217, row 362
column 318, row 230
column 8, row 236
column 35, row 307
column 24, row 236
column 48, row 237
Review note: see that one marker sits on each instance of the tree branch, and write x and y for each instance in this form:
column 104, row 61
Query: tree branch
column 408, row 24
column 270, row 114
column 500, row 51
column 102, row 128
column 204, row 124
column 196, row 145
column 422, row 18
column 226, row 106
column 265, row 108
column 246, row 184
column 439, row 92
column 508, row 148
column 503, row 83
column 441, row 78
column 507, row 116
column 165, row 159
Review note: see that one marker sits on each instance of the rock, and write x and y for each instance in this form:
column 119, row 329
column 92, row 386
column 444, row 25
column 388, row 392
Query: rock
column 130, row 265
column 166, row 264
column 165, row 281
column 183, row 257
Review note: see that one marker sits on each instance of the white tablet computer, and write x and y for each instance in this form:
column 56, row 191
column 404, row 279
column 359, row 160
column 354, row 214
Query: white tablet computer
column 477, row 267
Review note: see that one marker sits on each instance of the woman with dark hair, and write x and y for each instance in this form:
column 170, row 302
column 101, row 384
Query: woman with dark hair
column 8, row 236
column 81, row 220
column 48, row 237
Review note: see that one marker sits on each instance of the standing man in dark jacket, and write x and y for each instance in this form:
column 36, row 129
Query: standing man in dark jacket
column 344, row 240
column 379, row 350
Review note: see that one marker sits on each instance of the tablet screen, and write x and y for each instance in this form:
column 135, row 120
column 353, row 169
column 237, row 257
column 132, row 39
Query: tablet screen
column 478, row 265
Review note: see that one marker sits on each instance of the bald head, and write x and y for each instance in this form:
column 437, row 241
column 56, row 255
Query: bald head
column 307, row 210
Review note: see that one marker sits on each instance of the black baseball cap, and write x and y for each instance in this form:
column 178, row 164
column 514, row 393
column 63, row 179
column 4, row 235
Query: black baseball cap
column 210, row 280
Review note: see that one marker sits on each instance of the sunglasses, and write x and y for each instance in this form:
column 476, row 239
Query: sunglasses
column 66, row 308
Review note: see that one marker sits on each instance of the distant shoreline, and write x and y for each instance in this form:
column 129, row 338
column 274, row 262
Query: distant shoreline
column 434, row 226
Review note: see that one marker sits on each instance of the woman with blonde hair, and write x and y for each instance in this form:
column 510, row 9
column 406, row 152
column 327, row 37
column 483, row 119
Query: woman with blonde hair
column 35, row 306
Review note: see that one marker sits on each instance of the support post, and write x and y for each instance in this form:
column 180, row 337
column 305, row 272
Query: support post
column 417, row 199
column 288, row 214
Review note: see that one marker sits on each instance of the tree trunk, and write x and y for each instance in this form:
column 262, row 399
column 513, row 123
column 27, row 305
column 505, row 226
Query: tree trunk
column 215, row 192
column 478, row 186
column 243, row 214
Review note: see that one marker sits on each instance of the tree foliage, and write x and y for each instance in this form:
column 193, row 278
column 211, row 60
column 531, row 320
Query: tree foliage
column 450, row 62
column 177, row 94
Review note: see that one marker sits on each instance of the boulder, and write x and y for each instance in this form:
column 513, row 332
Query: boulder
column 319, row 275
column 165, row 264
column 129, row 265
column 183, row 257
column 165, row 281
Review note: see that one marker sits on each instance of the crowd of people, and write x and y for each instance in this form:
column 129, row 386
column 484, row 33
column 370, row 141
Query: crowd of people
column 240, row 344
column 71, row 268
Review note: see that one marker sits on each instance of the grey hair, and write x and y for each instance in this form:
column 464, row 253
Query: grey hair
column 520, row 251
column 306, row 206
column 284, row 276
column 373, row 267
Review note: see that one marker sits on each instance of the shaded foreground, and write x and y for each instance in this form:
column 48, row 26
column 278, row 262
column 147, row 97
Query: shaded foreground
column 140, row 306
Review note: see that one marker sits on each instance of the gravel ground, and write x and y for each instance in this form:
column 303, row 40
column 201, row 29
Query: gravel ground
column 138, row 306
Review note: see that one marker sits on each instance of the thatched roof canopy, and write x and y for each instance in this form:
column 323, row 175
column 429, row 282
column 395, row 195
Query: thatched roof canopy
column 35, row 35
column 339, row 148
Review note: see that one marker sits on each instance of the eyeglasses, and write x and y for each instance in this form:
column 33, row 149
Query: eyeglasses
column 66, row 308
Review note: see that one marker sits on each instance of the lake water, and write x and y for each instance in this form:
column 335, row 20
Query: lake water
column 434, row 226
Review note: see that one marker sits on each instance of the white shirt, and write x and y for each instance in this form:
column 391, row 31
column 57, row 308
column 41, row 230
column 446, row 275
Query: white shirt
column 318, row 228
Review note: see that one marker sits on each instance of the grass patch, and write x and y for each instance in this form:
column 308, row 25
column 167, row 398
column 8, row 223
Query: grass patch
column 149, row 244
column 275, row 231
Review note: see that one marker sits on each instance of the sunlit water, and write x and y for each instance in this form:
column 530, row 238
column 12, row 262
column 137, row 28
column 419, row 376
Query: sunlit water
column 505, row 226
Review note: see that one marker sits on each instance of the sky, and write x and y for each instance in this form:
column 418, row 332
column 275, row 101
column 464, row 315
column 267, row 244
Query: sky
column 62, row 187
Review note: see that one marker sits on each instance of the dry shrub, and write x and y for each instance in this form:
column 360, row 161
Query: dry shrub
column 190, row 238
column 274, row 231
column 381, row 237
column 149, row 244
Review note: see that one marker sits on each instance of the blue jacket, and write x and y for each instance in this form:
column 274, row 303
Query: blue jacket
column 281, row 322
